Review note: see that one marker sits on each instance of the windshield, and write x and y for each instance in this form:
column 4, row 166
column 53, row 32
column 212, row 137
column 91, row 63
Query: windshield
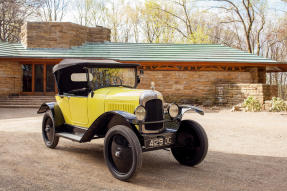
column 111, row 77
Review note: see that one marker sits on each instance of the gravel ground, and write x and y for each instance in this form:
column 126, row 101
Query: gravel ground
column 247, row 151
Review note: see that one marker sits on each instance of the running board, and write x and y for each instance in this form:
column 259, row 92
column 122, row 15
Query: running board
column 70, row 136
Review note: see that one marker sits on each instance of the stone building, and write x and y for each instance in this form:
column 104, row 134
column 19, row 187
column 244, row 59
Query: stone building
column 204, row 73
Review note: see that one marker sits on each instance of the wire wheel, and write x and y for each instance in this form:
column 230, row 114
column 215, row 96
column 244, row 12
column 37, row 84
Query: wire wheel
column 122, row 152
column 48, row 131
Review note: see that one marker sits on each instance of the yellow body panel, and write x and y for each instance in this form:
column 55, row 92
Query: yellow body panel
column 63, row 102
column 79, row 110
column 83, row 111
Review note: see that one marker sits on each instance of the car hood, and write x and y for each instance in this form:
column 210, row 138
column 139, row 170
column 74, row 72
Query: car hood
column 127, row 99
column 123, row 94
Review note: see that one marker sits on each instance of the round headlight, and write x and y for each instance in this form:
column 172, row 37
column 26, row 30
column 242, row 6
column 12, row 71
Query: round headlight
column 140, row 113
column 173, row 110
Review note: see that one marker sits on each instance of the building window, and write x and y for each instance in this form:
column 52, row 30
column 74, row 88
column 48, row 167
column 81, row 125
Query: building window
column 27, row 77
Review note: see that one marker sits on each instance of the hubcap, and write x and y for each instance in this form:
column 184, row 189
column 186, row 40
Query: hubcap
column 48, row 130
column 118, row 154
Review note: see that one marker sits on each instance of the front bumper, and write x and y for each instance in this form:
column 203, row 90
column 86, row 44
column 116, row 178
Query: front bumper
column 168, row 123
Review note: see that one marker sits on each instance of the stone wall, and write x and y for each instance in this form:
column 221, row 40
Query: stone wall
column 232, row 94
column 270, row 91
column 60, row 34
column 191, row 86
column 10, row 78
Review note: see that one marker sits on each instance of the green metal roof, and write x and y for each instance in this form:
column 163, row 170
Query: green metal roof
column 138, row 52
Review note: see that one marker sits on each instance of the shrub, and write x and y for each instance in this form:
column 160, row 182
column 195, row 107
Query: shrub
column 278, row 104
column 252, row 104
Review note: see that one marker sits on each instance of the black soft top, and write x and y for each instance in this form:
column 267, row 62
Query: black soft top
column 67, row 63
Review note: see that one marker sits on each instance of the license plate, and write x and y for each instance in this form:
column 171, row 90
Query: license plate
column 159, row 141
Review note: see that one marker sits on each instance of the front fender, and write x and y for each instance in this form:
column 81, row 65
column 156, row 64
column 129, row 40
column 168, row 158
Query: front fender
column 101, row 125
column 186, row 108
column 131, row 118
column 56, row 112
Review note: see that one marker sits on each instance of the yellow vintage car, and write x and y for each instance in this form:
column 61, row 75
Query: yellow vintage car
column 98, row 99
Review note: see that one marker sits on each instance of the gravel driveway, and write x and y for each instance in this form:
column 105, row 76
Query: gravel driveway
column 247, row 151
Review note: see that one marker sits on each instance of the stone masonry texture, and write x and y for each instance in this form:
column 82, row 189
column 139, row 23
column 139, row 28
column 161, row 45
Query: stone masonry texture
column 233, row 94
column 198, row 87
column 60, row 34
column 10, row 78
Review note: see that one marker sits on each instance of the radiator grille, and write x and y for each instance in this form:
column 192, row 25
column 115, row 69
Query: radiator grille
column 154, row 112
column 121, row 107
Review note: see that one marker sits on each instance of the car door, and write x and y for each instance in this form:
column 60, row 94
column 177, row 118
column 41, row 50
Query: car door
column 79, row 110
column 78, row 101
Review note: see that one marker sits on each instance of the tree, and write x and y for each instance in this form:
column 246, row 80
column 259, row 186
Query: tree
column 133, row 22
column 52, row 10
column 250, row 16
column 114, row 16
column 12, row 16
column 182, row 13
column 84, row 10
column 179, row 19
column 156, row 23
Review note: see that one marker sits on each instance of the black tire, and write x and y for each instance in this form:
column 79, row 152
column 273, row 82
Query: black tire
column 191, row 144
column 49, row 131
column 123, row 152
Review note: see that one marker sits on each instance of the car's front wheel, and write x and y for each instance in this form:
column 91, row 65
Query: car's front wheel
column 191, row 143
column 122, row 151
column 48, row 130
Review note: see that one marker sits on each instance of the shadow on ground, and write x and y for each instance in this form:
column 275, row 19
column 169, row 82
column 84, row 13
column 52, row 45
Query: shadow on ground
column 26, row 163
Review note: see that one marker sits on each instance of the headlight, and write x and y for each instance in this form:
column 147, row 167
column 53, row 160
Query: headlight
column 173, row 110
column 140, row 113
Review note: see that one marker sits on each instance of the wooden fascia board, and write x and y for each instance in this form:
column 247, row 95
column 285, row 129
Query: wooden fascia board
column 206, row 64
column 154, row 63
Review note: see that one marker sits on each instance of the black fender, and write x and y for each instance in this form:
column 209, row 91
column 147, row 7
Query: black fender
column 185, row 108
column 102, row 124
column 56, row 112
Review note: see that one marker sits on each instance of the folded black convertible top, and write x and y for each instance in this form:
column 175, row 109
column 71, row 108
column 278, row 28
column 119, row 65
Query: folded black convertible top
column 66, row 63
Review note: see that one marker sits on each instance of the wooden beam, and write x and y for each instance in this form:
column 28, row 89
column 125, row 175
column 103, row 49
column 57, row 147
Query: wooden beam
column 232, row 64
column 45, row 78
column 33, row 78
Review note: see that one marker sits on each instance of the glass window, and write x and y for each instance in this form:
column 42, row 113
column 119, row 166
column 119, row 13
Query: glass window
column 39, row 77
column 27, row 77
column 110, row 77
column 80, row 77
column 50, row 82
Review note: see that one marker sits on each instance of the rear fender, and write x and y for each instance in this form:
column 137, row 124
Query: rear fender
column 56, row 112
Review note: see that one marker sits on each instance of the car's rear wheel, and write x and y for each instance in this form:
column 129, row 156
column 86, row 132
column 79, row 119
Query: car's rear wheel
column 191, row 144
column 48, row 130
column 122, row 151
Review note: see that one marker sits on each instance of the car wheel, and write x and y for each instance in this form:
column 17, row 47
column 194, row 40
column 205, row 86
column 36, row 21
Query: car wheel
column 122, row 151
column 191, row 143
column 48, row 130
